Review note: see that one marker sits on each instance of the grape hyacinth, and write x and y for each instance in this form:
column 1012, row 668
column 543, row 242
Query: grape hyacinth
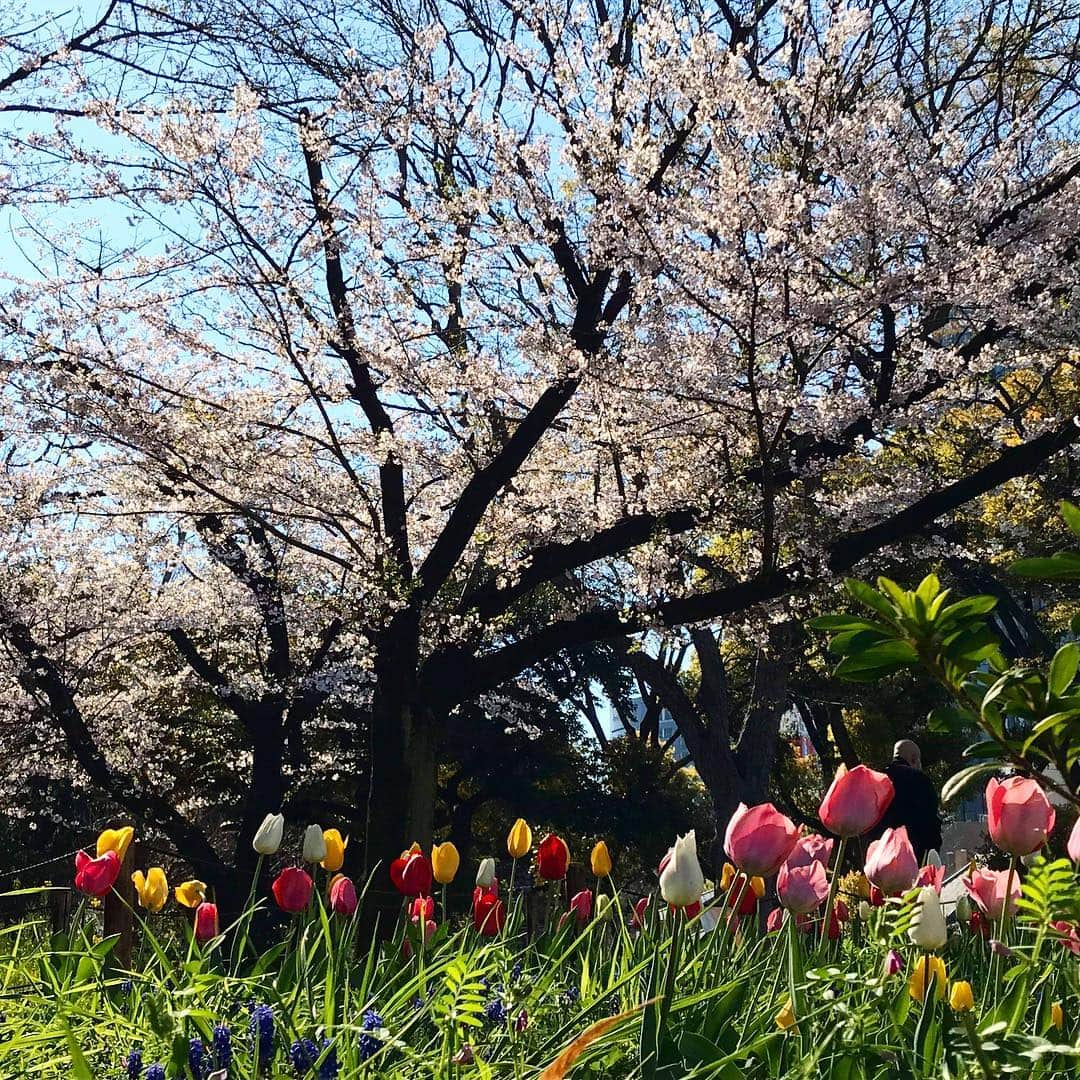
column 222, row 1047
column 155, row 1072
column 328, row 1070
column 303, row 1054
column 133, row 1065
column 370, row 1044
column 197, row 1060
column 495, row 1011
column 261, row 1028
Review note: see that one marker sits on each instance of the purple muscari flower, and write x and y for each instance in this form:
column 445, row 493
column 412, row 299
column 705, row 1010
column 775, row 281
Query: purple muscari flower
column 261, row 1028
column 495, row 1012
column 125, row 987
column 196, row 1058
column 303, row 1054
column 894, row 963
column 999, row 948
column 369, row 1044
column 134, row 1065
column 328, row 1070
column 515, row 973
column 222, row 1046
column 155, row 1072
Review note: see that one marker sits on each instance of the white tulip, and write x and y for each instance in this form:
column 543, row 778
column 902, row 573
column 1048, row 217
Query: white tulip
column 314, row 844
column 932, row 858
column 268, row 835
column 485, row 873
column 864, row 911
column 928, row 930
column 682, row 882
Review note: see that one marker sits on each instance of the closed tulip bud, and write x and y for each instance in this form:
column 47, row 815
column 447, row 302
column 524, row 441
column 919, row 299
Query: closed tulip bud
column 118, row 840
column 485, row 873
column 314, row 844
column 785, row 1018
column 681, row 879
column 856, row 800
column 1073, row 846
column 411, row 873
column 191, row 893
column 865, row 910
column 96, row 877
column 928, row 975
column 894, row 963
column 552, row 858
column 268, row 835
column 802, row 889
column 963, row 910
column 600, row 859
column 292, row 889
column 961, row 999
column 335, row 845
column 342, row 895
column 641, row 908
column 206, row 922
column 151, row 888
column 489, row 915
column 987, row 889
column 605, row 905
column 1057, row 1015
column 1018, row 814
column 759, row 838
column 890, row 862
column 928, row 930
column 519, row 841
column 932, row 858
column 445, row 861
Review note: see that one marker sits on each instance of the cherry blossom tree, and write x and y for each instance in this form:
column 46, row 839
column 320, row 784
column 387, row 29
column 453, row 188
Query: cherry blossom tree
column 418, row 344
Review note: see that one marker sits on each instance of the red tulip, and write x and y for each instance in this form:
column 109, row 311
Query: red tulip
column 932, row 877
column 802, row 889
column 987, row 889
column 856, row 800
column 691, row 911
column 1019, row 815
column 412, row 874
column 292, row 889
column 552, row 858
column 759, row 838
column 890, row 862
column 489, row 915
column 745, row 893
column 206, row 922
column 422, row 907
column 877, row 897
column 343, row 895
column 424, row 927
column 809, row 849
column 977, row 924
column 96, row 877
column 637, row 920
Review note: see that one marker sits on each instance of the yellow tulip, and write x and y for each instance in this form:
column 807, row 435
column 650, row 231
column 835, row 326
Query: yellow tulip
column 152, row 888
column 118, row 840
column 727, row 876
column 520, row 839
column 785, row 1018
column 961, row 999
column 335, row 850
column 191, row 893
column 1057, row 1015
column 601, row 860
column 929, row 971
column 445, row 861
column 757, row 885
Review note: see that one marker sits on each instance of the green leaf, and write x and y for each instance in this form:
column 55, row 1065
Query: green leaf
column 80, row 1067
column 960, row 780
column 1063, row 668
column 886, row 654
column 1064, row 566
column 870, row 597
column 1071, row 513
column 846, row 622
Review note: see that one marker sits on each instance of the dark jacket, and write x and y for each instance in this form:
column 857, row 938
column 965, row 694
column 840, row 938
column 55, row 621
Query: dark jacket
column 915, row 804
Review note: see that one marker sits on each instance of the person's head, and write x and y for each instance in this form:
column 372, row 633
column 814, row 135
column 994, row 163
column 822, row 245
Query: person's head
column 908, row 752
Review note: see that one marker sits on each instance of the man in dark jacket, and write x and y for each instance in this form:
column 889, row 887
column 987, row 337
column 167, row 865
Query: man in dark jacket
column 915, row 803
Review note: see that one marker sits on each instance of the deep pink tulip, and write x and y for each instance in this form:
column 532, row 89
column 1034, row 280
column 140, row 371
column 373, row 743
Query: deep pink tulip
column 855, row 801
column 987, row 889
column 1019, row 815
column 802, row 889
column 96, row 877
column 581, row 905
column 759, row 838
column 807, row 849
column 206, row 922
column 1070, row 936
column 343, row 895
column 637, row 920
column 428, row 926
column 774, row 921
column 890, row 862
column 894, row 963
column 1074, row 842
column 292, row 889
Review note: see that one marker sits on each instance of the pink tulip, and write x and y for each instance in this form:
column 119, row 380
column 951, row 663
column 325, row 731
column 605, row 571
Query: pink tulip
column 343, row 895
column 637, row 920
column 96, row 877
column 1019, row 814
column 759, row 838
column 802, row 889
column 932, row 877
column 774, row 921
column 428, row 926
column 1070, row 936
column 206, row 922
column 1074, row 842
column 856, row 800
column 580, row 909
column 987, row 889
column 807, row 849
column 890, row 862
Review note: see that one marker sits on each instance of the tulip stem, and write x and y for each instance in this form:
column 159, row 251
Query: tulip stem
column 833, row 883
column 985, row 1064
column 1008, row 897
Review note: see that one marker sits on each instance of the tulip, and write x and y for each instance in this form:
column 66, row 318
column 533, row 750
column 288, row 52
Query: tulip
column 681, row 879
column 335, row 845
column 855, row 801
column 96, row 877
column 1019, row 815
column 928, row 930
column 811, row 848
column 605, row 905
column 600, row 860
column 774, row 921
column 445, row 861
column 890, row 862
column 552, row 858
column 1070, row 936
column 1074, row 842
column 894, row 963
column 191, row 893
column 343, row 899
column 412, row 873
column 877, row 897
column 1057, row 1015
column 314, row 844
column 423, row 907
column 485, row 873
column 963, row 908
column 929, row 971
column 932, row 858
column 759, row 838
column 987, row 889
column 961, row 999
column 637, row 920
column 268, row 835
column 151, row 888
column 519, row 840
column 206, row 922
column 424, row 928
column 802, row 889
column 979, row 924
column 742, row 893
column 489, row 915
column 933, row 876
column 865, row 910
column 999, row 948
column 581, row 905
column 118, row 840
column 785, row 1018
column 292, row 889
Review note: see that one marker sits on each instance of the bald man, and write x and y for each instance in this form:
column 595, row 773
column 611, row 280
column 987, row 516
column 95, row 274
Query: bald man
column 915, row 803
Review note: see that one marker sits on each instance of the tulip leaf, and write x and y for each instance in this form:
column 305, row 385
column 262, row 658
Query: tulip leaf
column 80, row 1067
